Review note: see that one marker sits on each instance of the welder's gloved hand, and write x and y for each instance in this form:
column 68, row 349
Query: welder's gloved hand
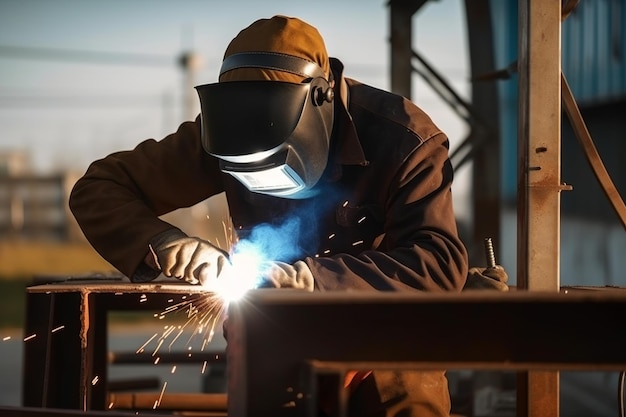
column 189, row 259
column 284, row 275
column 490, row 278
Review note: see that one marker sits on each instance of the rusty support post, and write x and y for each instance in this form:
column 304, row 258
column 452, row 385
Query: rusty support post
column 539, row 184
column 486, row 147
column 400, row 39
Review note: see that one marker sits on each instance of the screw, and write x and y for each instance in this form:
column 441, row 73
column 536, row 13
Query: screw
column 489, row 253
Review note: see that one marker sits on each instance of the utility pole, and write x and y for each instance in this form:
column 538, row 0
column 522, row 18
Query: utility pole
column 191, row 63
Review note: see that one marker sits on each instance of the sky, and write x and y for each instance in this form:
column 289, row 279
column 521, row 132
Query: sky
column 80, row 79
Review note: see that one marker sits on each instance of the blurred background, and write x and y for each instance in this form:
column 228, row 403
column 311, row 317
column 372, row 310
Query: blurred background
column 80, row 79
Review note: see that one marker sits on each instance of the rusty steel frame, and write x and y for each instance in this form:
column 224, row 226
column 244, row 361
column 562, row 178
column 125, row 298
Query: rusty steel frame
column 68, row 322
column 281, row 342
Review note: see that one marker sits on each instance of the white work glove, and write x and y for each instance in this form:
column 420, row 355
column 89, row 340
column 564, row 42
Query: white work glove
column 284, row 275
column 189, row 259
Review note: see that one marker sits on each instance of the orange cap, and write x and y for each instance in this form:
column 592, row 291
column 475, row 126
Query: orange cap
column 281, row 34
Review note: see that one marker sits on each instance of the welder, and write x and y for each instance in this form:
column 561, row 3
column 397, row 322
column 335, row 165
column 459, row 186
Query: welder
column 286, row 135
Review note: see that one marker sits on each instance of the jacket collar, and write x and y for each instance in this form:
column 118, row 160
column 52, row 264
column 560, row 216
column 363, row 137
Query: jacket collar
column 348, row 150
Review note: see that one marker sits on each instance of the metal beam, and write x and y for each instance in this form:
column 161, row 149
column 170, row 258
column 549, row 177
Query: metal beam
column 486, row 149
column 539, row 144
column 401, row 34
column 539, row 183
column 66, row 343
column 281, row 342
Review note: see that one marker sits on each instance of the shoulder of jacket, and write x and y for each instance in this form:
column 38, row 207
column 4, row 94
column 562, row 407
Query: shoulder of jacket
column 392, row 107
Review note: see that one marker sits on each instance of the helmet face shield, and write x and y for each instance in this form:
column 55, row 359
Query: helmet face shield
column 272, row 136
column 271, row 175
column 248, row 117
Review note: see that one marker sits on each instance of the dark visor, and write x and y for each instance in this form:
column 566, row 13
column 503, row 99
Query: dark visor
column 246, row 117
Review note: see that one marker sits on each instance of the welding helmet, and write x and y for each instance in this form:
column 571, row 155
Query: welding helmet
column 272, row 136
column 270, row 117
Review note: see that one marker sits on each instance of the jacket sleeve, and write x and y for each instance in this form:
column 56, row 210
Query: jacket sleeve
column 118, row 201
column 421, row 249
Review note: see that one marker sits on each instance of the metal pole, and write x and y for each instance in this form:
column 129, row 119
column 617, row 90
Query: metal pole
column 400, row 38
column 486, row 149
column 191, row 63
column 539, row 184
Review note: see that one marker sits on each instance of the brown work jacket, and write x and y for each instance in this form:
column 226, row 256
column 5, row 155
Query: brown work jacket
column 383, row 219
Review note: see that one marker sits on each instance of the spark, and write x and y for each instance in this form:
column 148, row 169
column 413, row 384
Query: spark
column 158, row 402
column 145, row 344
column 173, row 368
column 205, row 341
column 361, row 219
column 332, row 235
column 180, row 331
column 111, row 405
column 203, row 311
column 169, row 330
column 58, row 328
column 32, row 336
column 4, row 339
column 358, row 242
column 94, row 381
column 157, row 348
